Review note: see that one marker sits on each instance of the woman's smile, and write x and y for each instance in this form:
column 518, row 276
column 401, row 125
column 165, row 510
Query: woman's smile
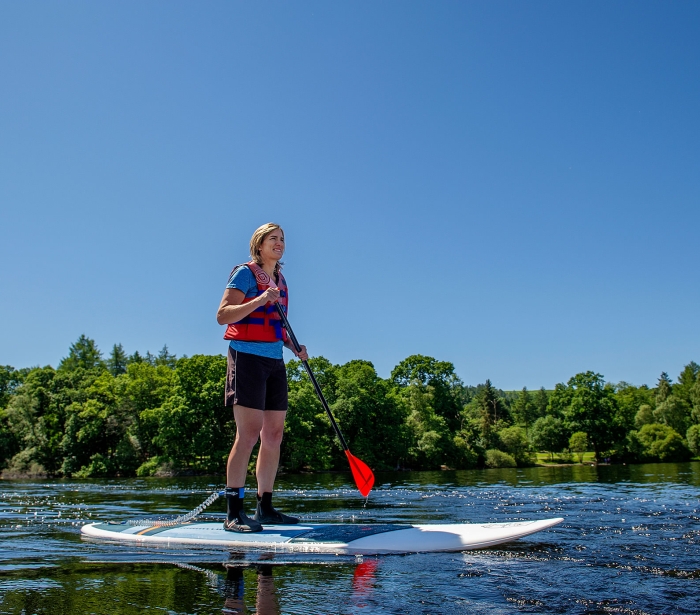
column 273, row 246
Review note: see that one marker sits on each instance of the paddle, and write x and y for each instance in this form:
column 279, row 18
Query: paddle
column 364, row 479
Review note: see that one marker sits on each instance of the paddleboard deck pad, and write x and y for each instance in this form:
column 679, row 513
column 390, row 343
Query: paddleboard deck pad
column 357, row 538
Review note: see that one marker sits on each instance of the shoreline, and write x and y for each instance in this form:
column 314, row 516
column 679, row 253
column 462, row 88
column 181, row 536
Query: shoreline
column 190, row 473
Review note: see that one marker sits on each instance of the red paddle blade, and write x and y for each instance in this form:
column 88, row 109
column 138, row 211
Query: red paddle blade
column 364, row 479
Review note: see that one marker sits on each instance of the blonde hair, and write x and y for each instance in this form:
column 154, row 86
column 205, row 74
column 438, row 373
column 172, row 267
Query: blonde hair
column 257, row 239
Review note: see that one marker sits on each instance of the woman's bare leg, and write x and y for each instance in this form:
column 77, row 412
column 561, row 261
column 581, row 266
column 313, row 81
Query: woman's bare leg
column 269, row 454
column 249, row 423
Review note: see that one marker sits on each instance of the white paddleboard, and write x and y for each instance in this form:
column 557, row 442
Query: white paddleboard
column 351, row 538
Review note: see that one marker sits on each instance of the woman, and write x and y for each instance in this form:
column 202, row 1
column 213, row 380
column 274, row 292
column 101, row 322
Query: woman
column 256, row 380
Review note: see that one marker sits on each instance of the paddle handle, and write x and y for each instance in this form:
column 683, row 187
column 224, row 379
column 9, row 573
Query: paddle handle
column 324, row 403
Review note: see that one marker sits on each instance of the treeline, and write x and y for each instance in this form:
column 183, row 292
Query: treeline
column 147, row 414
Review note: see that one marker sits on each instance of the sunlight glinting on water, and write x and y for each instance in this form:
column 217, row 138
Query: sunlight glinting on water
column 629, row 544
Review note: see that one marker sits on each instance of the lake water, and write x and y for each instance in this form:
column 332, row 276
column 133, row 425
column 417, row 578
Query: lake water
column 630, row 544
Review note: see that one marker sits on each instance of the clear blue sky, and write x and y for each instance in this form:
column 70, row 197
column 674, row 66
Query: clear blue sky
column 510, row 186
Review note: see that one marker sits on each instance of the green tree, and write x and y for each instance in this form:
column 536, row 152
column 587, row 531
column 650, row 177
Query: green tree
column 309, row 442
column 514, row 441
column 117, row 361
column 81, row 420
column 9, row 443
column 674, row 403
column 593, row 409
column 663, row 388
column 695, row 400
column 104, row 418
column 324, row 372
column 99, row 431
column 448, row 389
column 657, row 442
column 135, row 358
column 548, row 433
column 644, row 416
column 629, row 400
column 483, row 417
column 308, row 438
column 35, row 414
column 541, row 401
column 559, row 401
column 693, row 438
column 465, row 450
column 195, row 429
column 144, row 390
column 429, row 435
column 498, row 459
column 10, row 380
column 370, row 415
column 578, row 443
column 491, row 405
column 686, row 382
column 524, row 409
column 70, row 389
column 165, row 357
column 674, row 412
column 83, row 353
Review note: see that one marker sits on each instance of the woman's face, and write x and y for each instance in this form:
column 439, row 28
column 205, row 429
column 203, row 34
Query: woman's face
column 272, row 247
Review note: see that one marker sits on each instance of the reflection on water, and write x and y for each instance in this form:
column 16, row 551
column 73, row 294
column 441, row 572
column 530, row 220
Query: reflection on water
column 184, row 588
column 266, row 595
column 630, row 543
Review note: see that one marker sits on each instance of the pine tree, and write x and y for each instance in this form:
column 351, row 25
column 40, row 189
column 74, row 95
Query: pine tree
column 523, row 409
column 84, row 353
column 663, row 388
column 117, row 361
column 165, row 358
column 686, row 382
column 492, row 409
column 541, row 402
column 673, row 402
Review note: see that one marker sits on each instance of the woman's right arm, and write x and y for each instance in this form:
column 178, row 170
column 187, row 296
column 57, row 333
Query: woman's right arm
column 232, row 309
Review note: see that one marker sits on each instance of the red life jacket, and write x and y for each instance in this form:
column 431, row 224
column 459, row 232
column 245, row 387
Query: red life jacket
column 263, row 324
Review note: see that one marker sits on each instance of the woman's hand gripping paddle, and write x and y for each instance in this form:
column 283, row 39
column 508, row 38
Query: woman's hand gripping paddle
column 364, row 479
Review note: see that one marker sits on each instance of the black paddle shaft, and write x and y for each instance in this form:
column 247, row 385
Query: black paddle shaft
column 293, row 338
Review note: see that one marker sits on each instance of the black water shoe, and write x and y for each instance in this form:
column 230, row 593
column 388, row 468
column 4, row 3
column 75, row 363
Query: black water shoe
column 274, row 517
column 266, row 513
column 243, row 523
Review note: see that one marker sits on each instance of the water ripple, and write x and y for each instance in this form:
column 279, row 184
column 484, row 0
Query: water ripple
column 629, row 544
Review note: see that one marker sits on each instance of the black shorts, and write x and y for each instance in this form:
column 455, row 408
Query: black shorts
column 255, row 382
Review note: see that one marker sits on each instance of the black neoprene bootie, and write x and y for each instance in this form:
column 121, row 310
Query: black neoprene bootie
column 266, row 513
column 236, row 519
